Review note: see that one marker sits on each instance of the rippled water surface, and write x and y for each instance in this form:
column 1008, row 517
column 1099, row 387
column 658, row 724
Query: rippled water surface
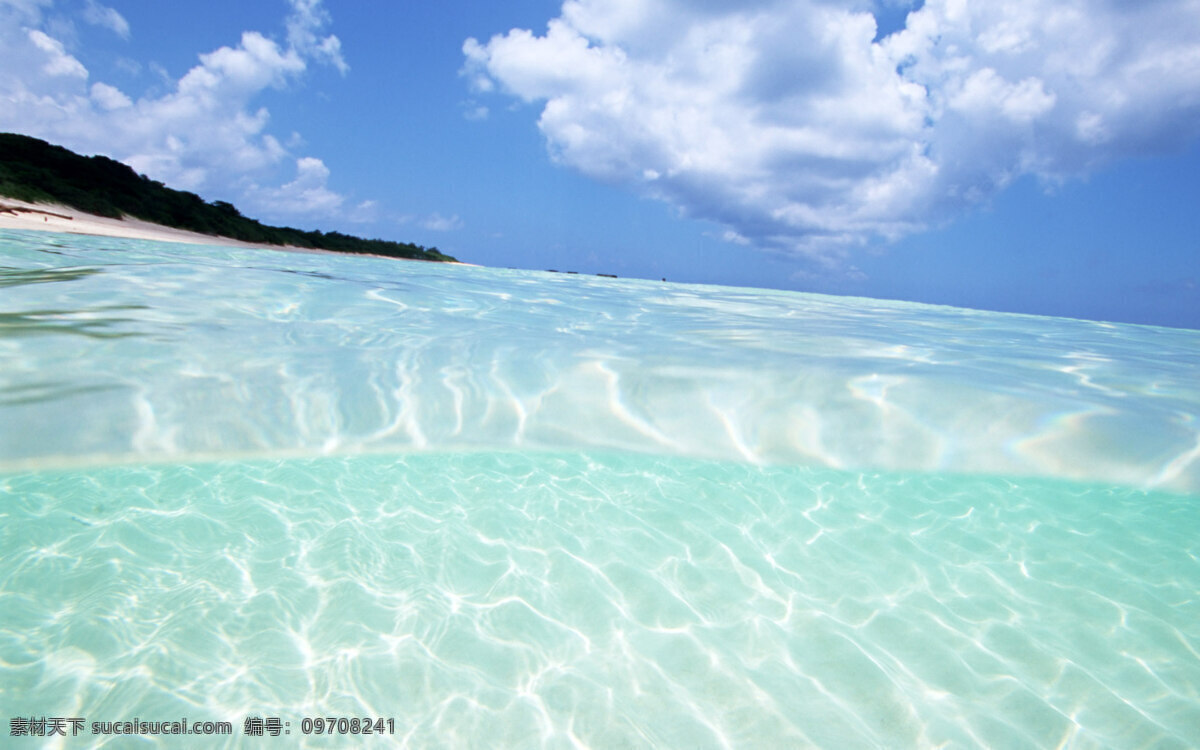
column 519, row 509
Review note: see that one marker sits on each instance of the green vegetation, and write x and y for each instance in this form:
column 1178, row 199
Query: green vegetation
column 35, row 171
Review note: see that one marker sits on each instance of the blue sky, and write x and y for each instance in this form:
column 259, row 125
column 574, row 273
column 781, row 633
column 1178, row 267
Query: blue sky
column 1034, row 156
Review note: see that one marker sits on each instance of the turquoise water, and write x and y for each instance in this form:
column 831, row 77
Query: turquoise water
column 514, row 509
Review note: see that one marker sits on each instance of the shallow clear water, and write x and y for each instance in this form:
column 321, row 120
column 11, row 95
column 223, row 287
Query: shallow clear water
column 532, row 510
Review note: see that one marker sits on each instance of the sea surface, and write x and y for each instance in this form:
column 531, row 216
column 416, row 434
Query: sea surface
column 501, row 508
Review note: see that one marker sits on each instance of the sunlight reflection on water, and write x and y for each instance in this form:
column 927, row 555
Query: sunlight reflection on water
column 516, row 509
column 218, row 351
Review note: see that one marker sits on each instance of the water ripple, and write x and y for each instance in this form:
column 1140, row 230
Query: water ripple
column 206, row 351
column 606, row 600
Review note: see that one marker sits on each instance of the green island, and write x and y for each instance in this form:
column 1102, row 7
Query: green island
column 35, row 171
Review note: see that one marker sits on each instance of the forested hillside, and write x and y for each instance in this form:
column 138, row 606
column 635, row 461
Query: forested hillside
column 36, row 171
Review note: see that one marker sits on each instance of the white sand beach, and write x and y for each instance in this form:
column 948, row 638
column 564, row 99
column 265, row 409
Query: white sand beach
column 53, row 217
column 50, row 217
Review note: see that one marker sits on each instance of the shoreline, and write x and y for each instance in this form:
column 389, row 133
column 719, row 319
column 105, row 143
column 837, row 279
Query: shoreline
column 54, row 217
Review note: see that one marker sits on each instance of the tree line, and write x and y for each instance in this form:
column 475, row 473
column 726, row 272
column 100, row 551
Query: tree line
column 39, row 172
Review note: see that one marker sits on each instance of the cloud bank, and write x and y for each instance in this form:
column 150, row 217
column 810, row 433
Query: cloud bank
column 205, row 134
column 793, row 125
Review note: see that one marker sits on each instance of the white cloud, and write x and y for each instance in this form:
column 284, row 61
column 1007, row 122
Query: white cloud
column 206, row 133
column 99, row 15
column 26, row 10
column 365, row 212
column 307, row 195
column 438, row 223
column 109, row 97
column 733, row 237
column 308, row 18
column 235, row 73
column 986, row 94
column 56, row 61
column 790, row 124
column 472, row 110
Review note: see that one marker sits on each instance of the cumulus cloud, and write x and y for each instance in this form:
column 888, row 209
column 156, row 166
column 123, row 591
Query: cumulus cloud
column 55, row 60
column 307, row 195
column 205, row 133
column 109, row 97
column 798, row 126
